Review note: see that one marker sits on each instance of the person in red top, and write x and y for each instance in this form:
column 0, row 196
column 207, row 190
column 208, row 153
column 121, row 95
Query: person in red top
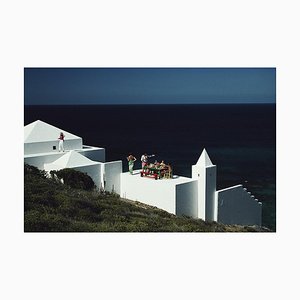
column 61, row 142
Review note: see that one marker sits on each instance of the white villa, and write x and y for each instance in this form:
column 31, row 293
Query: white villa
column 196, row 197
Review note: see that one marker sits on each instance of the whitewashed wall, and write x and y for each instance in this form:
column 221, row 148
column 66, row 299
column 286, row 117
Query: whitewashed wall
column 39, row 160
column 46, row 147
column 211, row 175
column 112, row 176
column 237, row 206
column 93, row 153
column 206, row 176
column 187, row 199
column 94, row 171
column 159, row 193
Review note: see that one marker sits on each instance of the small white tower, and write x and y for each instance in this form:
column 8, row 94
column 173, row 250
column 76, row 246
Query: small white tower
column 206, row 173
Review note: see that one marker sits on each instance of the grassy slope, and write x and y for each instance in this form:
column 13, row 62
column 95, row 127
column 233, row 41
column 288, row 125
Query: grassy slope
column 52, row 206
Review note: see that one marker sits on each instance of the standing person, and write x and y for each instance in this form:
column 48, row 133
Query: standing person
column 144, row 159
column 61, row 142
column 131, row 159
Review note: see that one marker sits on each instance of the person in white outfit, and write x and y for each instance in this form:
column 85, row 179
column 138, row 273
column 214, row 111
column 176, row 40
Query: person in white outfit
column 144, row 159
column 61, row 142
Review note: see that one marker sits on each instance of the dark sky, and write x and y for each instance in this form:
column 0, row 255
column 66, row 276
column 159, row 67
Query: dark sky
column 149, row 85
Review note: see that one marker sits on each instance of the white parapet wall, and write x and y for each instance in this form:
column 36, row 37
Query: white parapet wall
column 187, row 199
column 51, row 146
column 235, row 205
column 112, row 176
column 160, row 193
column 38, row 160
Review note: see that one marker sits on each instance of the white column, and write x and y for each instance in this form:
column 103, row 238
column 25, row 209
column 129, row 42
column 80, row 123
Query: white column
column 205, row 172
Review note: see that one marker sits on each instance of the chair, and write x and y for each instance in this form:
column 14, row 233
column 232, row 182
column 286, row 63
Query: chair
column 168, row 173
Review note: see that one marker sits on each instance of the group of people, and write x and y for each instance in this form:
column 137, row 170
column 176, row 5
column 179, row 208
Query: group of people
column 157, row 165
column 144, row 159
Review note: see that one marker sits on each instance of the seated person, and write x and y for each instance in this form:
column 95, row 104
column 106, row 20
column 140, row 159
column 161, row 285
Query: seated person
column 162, row 164
column 156, row 164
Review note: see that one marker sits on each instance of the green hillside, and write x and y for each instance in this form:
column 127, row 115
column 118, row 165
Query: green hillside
column 50, row 206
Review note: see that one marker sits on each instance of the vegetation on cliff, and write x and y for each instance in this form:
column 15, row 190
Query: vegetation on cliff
column 75, row 206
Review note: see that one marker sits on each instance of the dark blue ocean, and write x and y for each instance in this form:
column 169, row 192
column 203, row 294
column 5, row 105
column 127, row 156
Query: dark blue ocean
column 239, row 138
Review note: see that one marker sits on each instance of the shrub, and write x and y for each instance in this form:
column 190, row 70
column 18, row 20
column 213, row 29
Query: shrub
column 31, row 170
column 74, row 179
